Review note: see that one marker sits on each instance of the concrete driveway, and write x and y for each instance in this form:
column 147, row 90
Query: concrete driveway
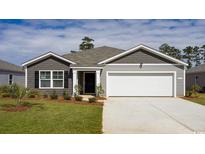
column 152, row 115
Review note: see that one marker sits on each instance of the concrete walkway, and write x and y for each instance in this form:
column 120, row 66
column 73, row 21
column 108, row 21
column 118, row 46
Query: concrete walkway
column 152, row 115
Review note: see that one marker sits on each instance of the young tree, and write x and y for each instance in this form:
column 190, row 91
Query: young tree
column 86, row 44
column 202, row 51
column 188, row 56
column 197, row 55
column 18, row 93
column 171, row 51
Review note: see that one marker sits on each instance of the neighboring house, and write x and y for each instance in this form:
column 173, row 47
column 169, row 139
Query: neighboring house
column 10, row 73
column 139, row 71
column 196, row 75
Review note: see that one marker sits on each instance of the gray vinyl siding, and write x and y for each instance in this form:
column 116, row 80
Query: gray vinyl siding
column 50, row 63
column 179, row 73
column 190, row 80
column 18, row 78
column 141, row 56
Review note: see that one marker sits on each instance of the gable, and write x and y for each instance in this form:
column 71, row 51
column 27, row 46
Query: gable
column 44, row 56
column 141, row 56
column 50, row 63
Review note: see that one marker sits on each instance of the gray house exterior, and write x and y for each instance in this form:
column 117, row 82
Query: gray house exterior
column 10, row 73
column 139, row 71
column 196, row 75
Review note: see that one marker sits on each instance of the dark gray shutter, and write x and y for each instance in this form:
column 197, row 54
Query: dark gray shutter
column 65, row 79
column 36, row 79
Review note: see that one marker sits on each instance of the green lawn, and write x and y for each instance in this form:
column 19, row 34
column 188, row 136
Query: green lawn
column 51, row 117
column 199, row 100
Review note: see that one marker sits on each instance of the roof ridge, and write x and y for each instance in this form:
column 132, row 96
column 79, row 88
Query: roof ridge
column 10, row 63
column 81, row 51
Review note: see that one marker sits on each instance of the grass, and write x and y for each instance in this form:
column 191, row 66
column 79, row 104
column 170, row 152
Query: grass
column 199, row 100
column 51, row 117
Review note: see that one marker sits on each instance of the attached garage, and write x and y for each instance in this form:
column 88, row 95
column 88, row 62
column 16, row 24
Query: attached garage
column 141, row 84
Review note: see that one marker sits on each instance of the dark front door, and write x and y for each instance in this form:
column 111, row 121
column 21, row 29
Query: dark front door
column 89, row 83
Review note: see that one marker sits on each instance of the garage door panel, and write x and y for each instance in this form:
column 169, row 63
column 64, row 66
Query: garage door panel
column 137, row 84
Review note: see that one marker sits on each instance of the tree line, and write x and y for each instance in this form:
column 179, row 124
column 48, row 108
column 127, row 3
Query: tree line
column 193, row 55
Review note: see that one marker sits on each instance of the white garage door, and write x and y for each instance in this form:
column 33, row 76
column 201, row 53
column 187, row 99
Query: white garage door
column 140, row 84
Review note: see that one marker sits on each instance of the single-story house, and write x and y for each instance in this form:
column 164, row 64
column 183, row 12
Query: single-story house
column 10, row 73
column 139, row 71
column 196, row 75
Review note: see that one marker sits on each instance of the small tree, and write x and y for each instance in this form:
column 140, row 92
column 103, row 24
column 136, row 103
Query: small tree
column 99, row 90
column 18, row 92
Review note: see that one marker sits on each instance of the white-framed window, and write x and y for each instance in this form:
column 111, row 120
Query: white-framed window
column 10, row 79
column 51, row 79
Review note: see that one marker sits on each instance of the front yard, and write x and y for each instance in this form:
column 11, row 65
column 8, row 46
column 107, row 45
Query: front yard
column 199, row 100
column 51, row 117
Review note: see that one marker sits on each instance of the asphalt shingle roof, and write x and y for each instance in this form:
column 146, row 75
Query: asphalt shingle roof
column 200, row 68
column 90, row 58
column 6, row 66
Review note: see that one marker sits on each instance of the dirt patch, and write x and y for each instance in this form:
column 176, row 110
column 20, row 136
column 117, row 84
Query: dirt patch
column 18, row 108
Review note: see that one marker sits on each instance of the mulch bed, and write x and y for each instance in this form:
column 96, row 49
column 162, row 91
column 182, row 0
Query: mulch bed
column 72, row 101
column 18, row 108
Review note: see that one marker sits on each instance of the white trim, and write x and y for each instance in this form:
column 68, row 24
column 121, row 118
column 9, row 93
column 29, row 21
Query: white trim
column 47, row 55
column 184, row 81
column 51, row 79
column 160, row 72
column 97, row 78
column 87, row 67
column 145, row 48
column 75, row 80
column 123, row 64
column 26, row 76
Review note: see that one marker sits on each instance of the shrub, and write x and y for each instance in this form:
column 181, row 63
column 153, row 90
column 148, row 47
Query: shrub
column 99, row 91
column 195, row 89
column 5, row 95
column 5, row 89
column 33, row 93
column 66, row 96
column 78, row 98
column 45, row 95
column 188, row 93
column 92, row 100
column 54, row 95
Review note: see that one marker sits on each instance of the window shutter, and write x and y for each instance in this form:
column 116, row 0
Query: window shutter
column 36, row 79
column 65, row 79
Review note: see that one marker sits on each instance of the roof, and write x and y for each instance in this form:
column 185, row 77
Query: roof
column 141, row 46
column 91, row 57
column 6, row 66
column 197, row 69
column 46, row 55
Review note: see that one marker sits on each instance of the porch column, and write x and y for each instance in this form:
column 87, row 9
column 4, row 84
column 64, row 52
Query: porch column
column 97, row 77
column 75, row 80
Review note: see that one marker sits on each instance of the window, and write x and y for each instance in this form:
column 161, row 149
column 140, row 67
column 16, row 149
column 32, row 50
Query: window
column 51, row 79
column 58, row 79
column 10, row 80
column 45, row 79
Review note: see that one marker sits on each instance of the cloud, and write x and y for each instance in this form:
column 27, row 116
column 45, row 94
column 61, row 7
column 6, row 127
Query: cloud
column 22, row 40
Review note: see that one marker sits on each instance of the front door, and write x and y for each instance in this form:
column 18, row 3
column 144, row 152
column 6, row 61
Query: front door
column 89, row 82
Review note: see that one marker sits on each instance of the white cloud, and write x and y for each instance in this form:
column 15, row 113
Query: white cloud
column 33, row 37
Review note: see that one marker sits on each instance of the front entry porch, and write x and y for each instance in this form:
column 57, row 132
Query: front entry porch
column 86, row 81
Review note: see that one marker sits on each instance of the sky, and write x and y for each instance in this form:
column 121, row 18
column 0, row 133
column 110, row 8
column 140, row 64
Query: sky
column 21, row 40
